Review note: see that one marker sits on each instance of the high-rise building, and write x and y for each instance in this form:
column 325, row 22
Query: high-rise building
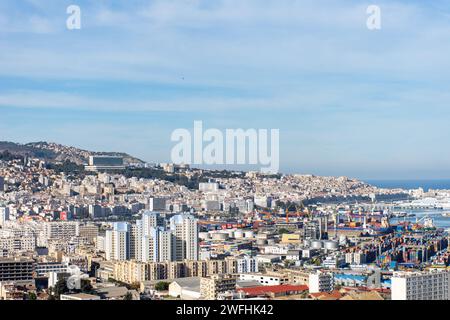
column 117, row 242
column 136, row 240
column 433, row 285
column 165, row 248
column 185, row 236
column 4, row 215
column 157, row 245
column 151, row 220
column 2, row 184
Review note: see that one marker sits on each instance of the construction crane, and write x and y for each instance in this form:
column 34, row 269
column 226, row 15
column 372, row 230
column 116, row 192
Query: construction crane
column 297, row 212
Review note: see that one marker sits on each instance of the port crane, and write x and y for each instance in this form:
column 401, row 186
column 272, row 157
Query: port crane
column 298, row 213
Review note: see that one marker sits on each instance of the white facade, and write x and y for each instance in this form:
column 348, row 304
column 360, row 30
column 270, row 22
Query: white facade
column 117, row 242
column 247, row 265
column 434, row 285
column 157, row 246
column 15, row 244
column 262, row 201
column 321, row 282
column 265, row 279
column 4, row 215
column 333, row 262
column 185, row 236
column 61, row 230
column 208, row 186
column 150, row 220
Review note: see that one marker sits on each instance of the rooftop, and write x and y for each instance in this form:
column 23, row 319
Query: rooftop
column 261, row 290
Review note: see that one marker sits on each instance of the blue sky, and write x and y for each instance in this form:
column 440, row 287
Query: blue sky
column 347, row 100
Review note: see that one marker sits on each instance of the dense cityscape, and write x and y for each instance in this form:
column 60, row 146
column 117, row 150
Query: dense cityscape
column 80, row 225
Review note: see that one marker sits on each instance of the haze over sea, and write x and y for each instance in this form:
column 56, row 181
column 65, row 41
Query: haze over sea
column 411, row 184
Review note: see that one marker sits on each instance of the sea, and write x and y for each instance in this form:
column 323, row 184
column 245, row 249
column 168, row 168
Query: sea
column 411, row 184
column 436, row 214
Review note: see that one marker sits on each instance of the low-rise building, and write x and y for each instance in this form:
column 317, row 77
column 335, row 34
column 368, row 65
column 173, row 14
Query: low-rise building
column 321, row 282
column 210, row 287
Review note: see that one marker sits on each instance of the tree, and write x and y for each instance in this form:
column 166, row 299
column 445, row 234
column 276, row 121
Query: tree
column 288, row 263
column 60, row 288
column 317, row 261
column 86, row 286
column 283, row 230
column 128, row 296
column 32, row 296
column 162, row 286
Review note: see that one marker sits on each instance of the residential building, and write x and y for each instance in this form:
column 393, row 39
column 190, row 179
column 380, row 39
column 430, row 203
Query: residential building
column 210, row 287
column 428, row 285
column 185, row 236
column 321, row 281
column 117, row 242
column 15, row 269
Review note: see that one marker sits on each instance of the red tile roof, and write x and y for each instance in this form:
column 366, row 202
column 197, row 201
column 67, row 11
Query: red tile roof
column 261, row 290
column 334, row 295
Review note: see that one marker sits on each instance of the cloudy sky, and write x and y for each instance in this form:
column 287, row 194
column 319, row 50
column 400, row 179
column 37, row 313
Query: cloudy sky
column 347, row 100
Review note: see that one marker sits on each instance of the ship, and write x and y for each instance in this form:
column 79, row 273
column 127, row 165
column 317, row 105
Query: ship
column 399, row 214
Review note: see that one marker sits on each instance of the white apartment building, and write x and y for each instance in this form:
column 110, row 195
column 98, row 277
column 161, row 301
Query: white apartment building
column 185, row 236
column 265, row 279
column 355, row 258
column 246, row 264
column 321, row 282
column 117, row 242
column 276, row 249
column 4, row 215
column 151, row 220
column 16, row 244
column 432, row 285
column 208, row 186
column 157, row 246
column 61, row 230
column 148, row 241
column 333, row 262
column 100, row 243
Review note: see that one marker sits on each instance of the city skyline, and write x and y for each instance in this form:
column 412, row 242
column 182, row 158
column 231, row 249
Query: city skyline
column 348, row 101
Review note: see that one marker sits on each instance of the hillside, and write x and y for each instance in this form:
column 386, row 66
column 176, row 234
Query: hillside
column 53, row 152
